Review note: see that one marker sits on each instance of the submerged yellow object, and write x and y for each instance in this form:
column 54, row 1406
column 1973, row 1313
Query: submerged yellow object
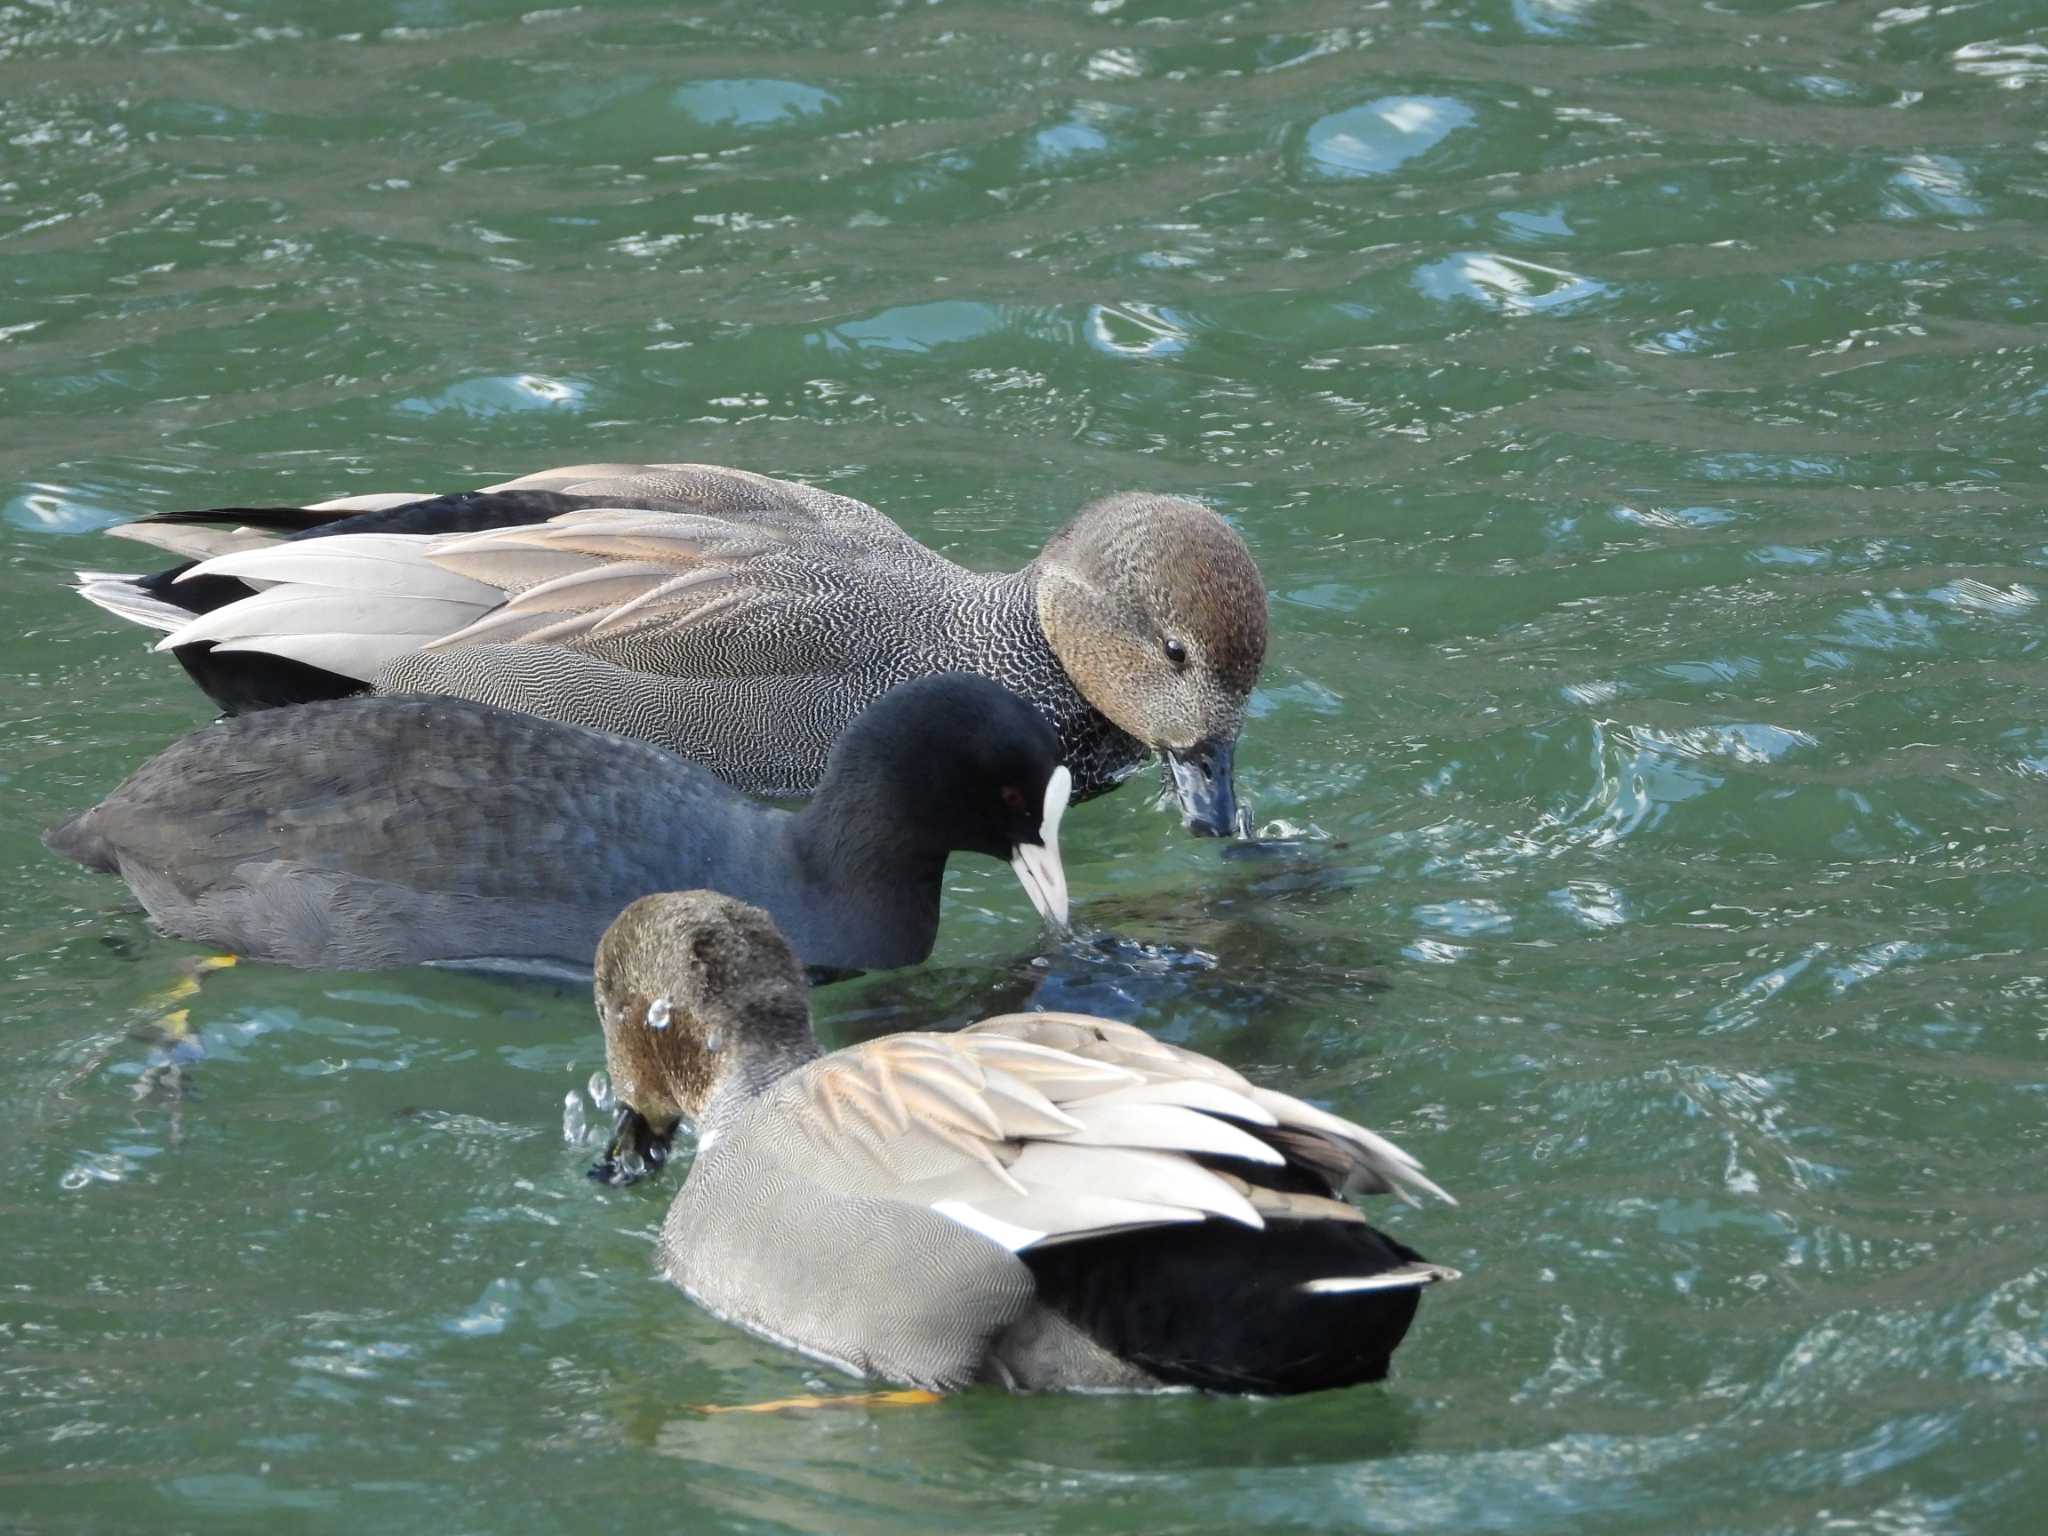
column 190, row 974
column 907, row 1397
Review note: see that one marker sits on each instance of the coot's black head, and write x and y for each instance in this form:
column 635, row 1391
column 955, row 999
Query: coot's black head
column 955, row 762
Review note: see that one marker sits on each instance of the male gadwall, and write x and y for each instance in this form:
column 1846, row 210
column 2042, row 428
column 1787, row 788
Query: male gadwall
column 408, row 830
column 737, row 620
column 1044, row 1200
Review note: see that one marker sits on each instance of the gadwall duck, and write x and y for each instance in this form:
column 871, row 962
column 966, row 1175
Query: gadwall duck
column 407, row 830
column 737, row 620
column 1044, row 1200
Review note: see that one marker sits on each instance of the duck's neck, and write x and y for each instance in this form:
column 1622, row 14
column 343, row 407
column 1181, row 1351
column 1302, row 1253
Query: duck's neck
column 764, row 1064
column 1007, row 640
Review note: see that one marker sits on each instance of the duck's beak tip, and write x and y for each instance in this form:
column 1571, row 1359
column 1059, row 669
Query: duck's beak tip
column 1203, row 785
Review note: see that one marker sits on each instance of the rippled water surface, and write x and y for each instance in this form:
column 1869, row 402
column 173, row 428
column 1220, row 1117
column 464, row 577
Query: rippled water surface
column 1638, row 412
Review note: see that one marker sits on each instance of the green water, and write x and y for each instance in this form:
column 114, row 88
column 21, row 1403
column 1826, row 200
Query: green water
column 1638, row 412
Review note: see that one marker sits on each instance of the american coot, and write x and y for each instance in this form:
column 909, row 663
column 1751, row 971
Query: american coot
column 401, row 830
column 737, row 620
column 1041, row 1201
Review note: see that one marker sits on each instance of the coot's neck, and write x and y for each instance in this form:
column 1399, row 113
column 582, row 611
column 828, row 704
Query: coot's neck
column 872, row 872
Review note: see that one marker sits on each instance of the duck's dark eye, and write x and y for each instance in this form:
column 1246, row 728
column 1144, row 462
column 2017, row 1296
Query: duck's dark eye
column 1176, row 653
column 1013, row 797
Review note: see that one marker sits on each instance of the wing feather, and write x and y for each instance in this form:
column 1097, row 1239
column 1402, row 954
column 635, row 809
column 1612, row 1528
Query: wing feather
column 1158, row 1178
column 709, row 592
column 191, row 541
column 124, row 597
column 1027, row 1220
column 1022, row 1109
column 1192, row 1093
column 703, row 565
column 569, row 476
column 391, row 564
column 594, row 586
column 508, row 567
column 621, row 533
column 371, row 501
column 384, row 624
column 1057, row 1074
column 507, row 625
column 342, row 653
column 1350, row 1158
column 1365, row 1162
column 1001, row 1130
column 1166, row 1127
column 1105, row 1040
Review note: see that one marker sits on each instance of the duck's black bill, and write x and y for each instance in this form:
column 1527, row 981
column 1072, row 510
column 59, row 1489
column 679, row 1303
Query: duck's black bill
column 1202, row 784
column 637, row 1149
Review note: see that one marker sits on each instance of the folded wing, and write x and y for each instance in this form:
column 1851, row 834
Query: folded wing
column 1041, row 1129
column 1350, row 1159
column 686, row 569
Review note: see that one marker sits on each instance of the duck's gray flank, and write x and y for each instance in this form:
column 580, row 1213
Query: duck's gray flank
column 646, row 692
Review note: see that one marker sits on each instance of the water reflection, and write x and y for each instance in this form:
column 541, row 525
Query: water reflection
column 1382, row 135
column 981, row 1454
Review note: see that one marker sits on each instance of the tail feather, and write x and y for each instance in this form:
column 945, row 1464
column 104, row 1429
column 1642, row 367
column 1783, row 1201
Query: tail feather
column 274, row 519
column 1296, row 1307
column 295, row 671
column 190, row 542
column 77, row 838
column 126, row 598
column 1407, row 1277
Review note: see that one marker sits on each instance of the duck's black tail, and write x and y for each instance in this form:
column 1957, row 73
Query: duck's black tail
column 1297, row 1307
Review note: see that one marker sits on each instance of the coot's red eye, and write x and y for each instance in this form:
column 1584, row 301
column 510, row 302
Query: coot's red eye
column 1013, row 797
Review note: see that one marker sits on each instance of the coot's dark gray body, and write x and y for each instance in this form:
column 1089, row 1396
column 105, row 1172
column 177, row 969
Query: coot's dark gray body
column 402, row 830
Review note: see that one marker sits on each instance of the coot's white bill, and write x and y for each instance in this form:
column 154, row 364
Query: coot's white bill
column 1038, row 864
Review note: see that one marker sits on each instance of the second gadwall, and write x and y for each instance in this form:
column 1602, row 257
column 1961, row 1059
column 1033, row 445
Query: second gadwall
column 738, row 620
column 1041, row 1201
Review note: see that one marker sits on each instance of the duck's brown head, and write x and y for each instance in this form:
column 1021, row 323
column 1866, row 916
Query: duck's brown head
column 1156, row 609
column 699, row 995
